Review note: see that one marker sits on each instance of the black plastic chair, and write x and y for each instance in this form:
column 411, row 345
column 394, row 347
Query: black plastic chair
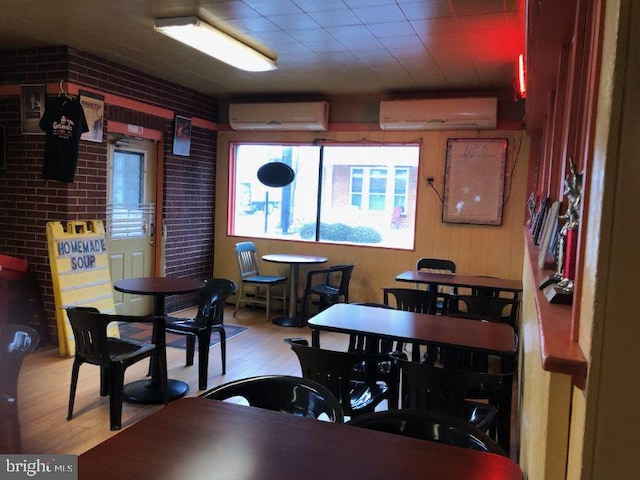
column 16, row 341
column 426, row 387
column 438, row 265
column 250, row 276
column 370, row 343
column 282, row 393
column 112, row 355
column 330, row 285
column 485, row 307
column 432, row 426
column 414, row 300
column 210, row 318
column 359, row 381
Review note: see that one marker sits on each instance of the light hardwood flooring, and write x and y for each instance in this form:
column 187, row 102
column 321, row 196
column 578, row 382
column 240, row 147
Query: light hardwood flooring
column 45, row 377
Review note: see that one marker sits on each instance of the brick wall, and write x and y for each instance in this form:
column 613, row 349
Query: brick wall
column 27, row 201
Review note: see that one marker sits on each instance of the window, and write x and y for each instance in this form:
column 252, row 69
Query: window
column 353, row 194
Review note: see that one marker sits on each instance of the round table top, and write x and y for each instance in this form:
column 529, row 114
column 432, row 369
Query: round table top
column 157, row 285
column 292, row 258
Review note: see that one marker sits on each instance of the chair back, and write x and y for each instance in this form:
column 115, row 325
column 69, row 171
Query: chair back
column 350, row 376
column 292, row 395
column 213, row 297
column 90, row 332
column 484, row 307
column 432, row 426
column 247, row 259
column 412, row 300
column 436, row 265
column 344, row 271
column 426, row 387
column 16, row 341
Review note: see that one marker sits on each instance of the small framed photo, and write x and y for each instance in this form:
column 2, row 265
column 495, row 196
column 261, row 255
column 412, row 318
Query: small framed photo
column 182, row 136
column 32, row 100
column 93, row 107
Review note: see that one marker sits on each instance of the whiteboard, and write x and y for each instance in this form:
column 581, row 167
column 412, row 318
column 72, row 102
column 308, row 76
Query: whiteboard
column 474, row 180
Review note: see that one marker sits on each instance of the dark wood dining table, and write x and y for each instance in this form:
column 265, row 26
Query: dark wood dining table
column 148, row 391
column 457, row 280
column 438, row 330
column 197, row 438
column 294, row 261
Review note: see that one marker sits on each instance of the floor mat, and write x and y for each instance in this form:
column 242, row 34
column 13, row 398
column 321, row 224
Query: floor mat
column 142, row 333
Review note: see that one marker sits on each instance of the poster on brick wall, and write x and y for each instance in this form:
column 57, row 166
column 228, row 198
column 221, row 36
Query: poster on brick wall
column 32, row 101
column 93, row 106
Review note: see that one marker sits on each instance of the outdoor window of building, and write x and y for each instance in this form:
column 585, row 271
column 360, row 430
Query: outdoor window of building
column 352, row 194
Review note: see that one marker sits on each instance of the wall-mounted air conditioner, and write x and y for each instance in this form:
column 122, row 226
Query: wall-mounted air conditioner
column 279, row 116
column 439, row 114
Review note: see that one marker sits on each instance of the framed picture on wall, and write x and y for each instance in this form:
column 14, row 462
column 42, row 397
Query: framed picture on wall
column 182, row 136
column 32, row 100
column 474, row 180
column 93, row 107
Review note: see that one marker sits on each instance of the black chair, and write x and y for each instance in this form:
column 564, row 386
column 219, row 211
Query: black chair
column 282, row 393
column 250, row 277
column 112, row 355
column 485, row 307
column 359, row 381
column 426, row 387
column 330, row 285
column 414, row 300
column 210, row 318
column 16, row 342
column 371, row 343
column 427, row 425
column 438, row 265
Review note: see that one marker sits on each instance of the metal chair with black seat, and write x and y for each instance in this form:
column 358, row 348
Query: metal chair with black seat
column 112, row 355
column 428, row 425
column 330, row 285
column 210, row 318
column 359, row 381
column 282, row 393
column 16, row 342
column 250, row 277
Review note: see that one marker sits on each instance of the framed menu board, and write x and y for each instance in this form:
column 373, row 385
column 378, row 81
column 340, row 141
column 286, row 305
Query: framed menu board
column 474, row 180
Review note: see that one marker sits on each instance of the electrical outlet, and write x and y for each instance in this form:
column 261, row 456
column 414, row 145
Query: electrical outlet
column 430, row 180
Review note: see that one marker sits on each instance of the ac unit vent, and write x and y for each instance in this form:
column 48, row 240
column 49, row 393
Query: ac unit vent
column 439, row 114
column 279, row 116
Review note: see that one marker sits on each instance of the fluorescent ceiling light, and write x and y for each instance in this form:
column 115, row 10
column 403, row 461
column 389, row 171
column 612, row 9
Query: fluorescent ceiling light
column 200, row 35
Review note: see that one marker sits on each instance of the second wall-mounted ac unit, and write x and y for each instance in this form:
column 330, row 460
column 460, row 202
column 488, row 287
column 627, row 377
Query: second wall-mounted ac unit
column 313, row 116
column 439, row 114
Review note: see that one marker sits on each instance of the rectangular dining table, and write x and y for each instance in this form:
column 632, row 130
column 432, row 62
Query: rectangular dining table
column 492, row 338
column 198, row 438
column 457, row 280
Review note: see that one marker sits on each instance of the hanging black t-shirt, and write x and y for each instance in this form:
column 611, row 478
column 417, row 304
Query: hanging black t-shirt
column 63, row 122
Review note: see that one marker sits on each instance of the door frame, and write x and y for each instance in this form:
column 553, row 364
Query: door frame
column 157, row 136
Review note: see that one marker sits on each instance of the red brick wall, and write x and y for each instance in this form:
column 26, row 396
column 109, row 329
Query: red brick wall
column 27, row 201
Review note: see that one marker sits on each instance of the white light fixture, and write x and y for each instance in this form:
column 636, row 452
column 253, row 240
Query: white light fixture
column 200, row 35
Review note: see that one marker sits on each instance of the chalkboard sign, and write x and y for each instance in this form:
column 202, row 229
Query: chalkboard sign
column 474, row 180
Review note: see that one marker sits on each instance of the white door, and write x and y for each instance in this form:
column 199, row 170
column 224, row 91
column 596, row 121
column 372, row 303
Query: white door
column 131, row 226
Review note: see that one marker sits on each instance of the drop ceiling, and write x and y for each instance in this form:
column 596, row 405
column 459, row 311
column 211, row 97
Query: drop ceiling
column 328, row 47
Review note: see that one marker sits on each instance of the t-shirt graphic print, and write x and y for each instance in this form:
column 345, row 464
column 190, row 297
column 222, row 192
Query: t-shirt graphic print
column 63, row 122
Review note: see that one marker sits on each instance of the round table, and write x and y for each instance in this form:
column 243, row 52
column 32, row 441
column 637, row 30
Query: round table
column 294, row 262
column 148, row 391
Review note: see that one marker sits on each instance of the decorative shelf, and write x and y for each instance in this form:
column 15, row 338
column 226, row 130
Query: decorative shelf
column 560, row 353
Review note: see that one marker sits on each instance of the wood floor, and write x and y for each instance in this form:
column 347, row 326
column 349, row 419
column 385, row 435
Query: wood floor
column 45, row 377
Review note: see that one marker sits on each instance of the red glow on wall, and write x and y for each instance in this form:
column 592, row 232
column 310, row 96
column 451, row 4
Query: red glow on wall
column 522, row 79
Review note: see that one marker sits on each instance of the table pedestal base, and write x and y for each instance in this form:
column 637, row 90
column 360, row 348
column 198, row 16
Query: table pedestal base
column 285, row 321
column 141, row 391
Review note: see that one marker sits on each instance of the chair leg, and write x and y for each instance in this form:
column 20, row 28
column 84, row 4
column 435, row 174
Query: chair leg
column 223, row 348
column 239, row 299
column 116, row 378
column 204, row 339
column 104, row 381
column 72, row 390
column 268, row 303
column 191, row 348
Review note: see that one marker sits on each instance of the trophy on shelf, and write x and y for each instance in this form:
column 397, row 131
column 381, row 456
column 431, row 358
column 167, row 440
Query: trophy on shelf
column 562, row 291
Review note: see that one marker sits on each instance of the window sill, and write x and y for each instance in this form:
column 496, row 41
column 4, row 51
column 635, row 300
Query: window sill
column 560, row 353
